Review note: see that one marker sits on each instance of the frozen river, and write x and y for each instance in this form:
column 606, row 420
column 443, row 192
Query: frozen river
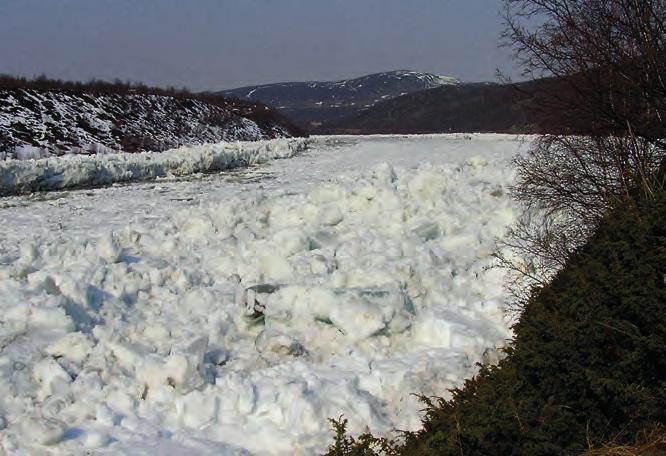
column 233, row 313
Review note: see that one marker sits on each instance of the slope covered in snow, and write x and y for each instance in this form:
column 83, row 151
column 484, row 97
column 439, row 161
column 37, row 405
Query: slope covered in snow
column 234, row 316
column 37, row 123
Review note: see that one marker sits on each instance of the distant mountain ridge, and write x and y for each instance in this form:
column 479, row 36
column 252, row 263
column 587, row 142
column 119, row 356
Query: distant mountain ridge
column 312, row 103
column 471, row 107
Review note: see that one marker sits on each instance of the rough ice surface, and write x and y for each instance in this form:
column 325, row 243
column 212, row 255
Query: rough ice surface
column 235, row 313
column 72, row 171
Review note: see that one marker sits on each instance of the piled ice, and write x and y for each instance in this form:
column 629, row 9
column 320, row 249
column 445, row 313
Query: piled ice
column 18, row 176
column 240, row 327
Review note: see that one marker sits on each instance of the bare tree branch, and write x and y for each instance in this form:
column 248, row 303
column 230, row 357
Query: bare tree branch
column 606, row 95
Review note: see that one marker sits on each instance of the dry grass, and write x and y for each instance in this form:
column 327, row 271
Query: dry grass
column 652, row 443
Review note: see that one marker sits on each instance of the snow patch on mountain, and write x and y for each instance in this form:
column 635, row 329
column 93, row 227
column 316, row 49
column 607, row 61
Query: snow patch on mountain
column 428, row 80
column 316, row 101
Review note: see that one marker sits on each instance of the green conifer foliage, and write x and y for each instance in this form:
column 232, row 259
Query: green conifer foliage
column 588, row 361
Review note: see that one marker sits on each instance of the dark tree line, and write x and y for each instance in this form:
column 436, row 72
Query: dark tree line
column 95, row 86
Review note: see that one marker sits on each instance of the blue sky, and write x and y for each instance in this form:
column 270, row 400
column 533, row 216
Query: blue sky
column 215, row 44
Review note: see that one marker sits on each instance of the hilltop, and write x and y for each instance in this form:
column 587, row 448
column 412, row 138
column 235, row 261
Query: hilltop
column 312, row 103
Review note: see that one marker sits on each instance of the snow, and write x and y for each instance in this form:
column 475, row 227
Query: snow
column 29, row 153
column 18, row 176
column 37, row 124
column 431, row 80
column 426, row 81
column 235, row 313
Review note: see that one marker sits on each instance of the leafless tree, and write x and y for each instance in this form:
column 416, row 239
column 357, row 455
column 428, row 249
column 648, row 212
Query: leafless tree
column 601, row 67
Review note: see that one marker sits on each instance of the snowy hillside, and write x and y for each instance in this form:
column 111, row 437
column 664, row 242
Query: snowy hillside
column 233, row 314
column 36, row 123
column 316, row 102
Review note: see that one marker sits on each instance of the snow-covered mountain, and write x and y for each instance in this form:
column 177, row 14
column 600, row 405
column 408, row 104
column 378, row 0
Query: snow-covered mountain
column 316, row 102
column 36, row 123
